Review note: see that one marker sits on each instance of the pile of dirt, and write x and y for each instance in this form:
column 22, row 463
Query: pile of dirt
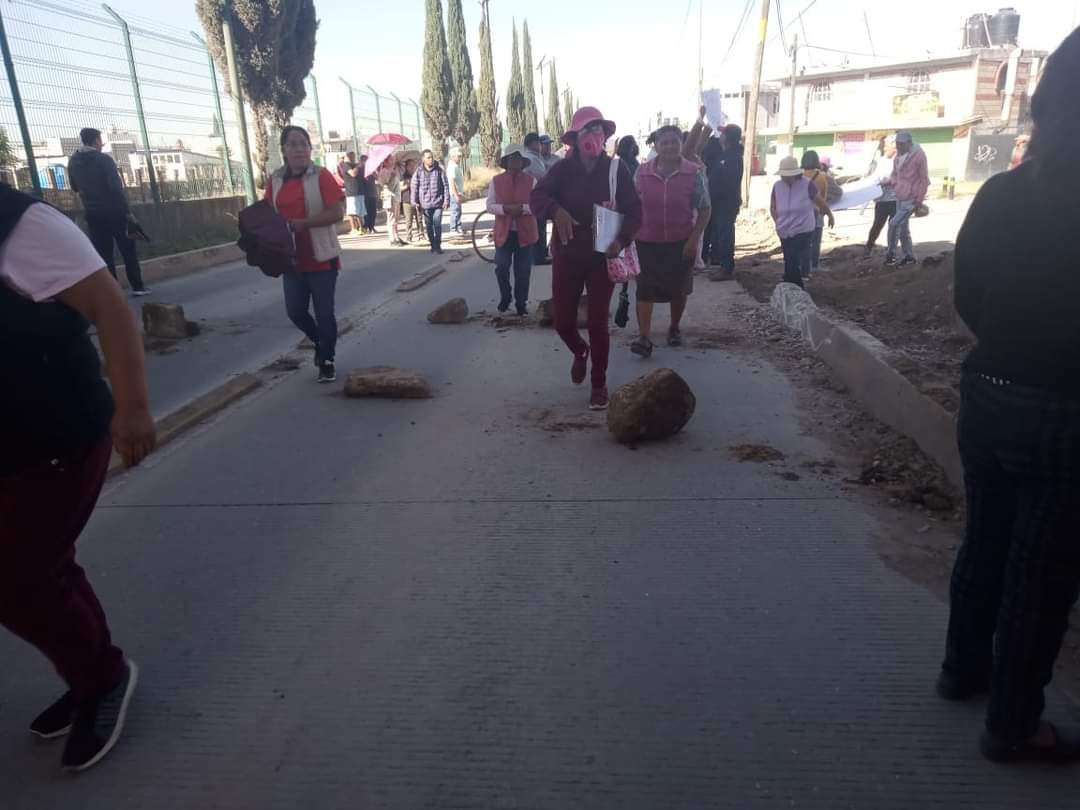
column 909, row 309
column 756, row 453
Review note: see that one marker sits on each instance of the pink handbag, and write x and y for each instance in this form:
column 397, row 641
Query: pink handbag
column 625, row 266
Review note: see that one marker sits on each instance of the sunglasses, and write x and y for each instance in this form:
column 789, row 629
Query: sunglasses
column 593, row 128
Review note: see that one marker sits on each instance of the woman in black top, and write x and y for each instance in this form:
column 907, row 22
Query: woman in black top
column 1017, row 575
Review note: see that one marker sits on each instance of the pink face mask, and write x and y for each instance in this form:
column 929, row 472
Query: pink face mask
column 591, row 144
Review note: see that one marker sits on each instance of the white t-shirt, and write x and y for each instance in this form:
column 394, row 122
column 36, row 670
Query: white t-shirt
column 46, row 254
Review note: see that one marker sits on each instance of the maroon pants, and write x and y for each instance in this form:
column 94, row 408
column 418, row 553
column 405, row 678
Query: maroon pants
column 569, row 279
column 44, row 596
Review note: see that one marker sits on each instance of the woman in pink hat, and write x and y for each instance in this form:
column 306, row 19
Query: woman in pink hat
column 566, row 196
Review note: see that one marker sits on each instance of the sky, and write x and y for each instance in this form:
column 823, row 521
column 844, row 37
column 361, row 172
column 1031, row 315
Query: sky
column 636, row 58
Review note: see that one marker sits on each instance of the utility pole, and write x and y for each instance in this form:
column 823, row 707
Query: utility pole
column 238, row 102
column 755, row 92
column 794, row 74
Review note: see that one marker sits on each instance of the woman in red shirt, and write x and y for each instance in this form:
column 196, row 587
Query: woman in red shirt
column 311, row 200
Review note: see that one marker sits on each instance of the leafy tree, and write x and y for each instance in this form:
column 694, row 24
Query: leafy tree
column 515, row 96
column 468, row 116
column 437, row 99
column 7, row 153
column 553, row 123
column 487, row 102
column 532, row 118
column 275, row 50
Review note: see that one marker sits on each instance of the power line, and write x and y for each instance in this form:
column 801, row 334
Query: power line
column 738, row 31
column 809, row 6
column 780, row 20
column 685, row 19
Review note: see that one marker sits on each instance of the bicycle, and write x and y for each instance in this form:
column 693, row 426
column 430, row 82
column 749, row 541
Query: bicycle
column 483, row 241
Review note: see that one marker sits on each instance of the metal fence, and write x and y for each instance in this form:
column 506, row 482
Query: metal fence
column 372, row 112
column 158, row 99
column 153, row 93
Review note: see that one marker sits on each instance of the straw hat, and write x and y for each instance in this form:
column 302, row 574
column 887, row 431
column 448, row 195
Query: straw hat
column 789, row 167
column 514, row 149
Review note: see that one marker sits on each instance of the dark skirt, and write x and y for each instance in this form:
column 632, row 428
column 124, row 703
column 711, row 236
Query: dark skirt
column 665, row 275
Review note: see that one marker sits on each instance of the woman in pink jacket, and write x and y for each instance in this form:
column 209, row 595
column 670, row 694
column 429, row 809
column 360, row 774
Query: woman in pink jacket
column 675, row 211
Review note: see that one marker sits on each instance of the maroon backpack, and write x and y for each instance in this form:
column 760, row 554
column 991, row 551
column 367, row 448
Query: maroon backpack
column 266, row 239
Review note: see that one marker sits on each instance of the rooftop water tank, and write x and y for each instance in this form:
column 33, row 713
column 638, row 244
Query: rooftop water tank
column 975, row 32
column 1005, row 27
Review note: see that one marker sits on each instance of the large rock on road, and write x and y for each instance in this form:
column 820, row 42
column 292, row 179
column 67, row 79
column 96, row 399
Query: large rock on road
column 456, row 310
column 167, row 321
column 655, row 406
column 545, row 312
column 387, row 382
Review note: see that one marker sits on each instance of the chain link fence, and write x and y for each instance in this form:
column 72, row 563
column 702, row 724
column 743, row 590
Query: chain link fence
column 159, row 101
column 153, row 92
column 373, row 113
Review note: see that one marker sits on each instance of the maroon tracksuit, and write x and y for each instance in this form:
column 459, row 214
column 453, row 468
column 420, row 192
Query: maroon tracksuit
column 576, row 267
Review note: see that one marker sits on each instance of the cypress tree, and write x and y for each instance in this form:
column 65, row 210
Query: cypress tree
column 532, row 117
column 515, row 96
column 468, row 116
column 553, row 123
column 487, row 105
column 437, row 96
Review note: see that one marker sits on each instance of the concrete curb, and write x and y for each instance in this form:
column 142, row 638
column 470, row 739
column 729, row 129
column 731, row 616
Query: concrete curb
column 175, row 265
column 198, row 410
column 864, row 364
column 420, row 279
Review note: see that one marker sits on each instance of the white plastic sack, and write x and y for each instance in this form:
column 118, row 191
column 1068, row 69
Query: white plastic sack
column 793, row 306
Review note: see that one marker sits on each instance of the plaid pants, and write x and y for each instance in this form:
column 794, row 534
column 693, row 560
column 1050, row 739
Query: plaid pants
column 1017, row 575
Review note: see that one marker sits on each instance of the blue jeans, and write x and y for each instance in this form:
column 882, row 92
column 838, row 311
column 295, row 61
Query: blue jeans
column 900, row 228
column 315, row 288
column 540, row 249
column 433, row 225
column 522, row 258
column 812, row 259
column 1017, row 574
column 722, row 243
column 455, row 215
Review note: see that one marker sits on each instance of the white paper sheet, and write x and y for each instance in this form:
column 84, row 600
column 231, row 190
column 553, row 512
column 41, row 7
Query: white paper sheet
column 714, row 115
column 606, row 226
column 858, row 194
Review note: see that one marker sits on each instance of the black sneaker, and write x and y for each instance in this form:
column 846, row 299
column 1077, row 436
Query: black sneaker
column 55, row 721
column 98, row 724
column 907, row 261
column 327, row 372
column 522, row 311
column 890, row 261
column 957, row 689
column 674, row 338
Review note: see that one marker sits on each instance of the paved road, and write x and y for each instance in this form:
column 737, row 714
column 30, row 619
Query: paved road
column 242, row 315
column 479, row 601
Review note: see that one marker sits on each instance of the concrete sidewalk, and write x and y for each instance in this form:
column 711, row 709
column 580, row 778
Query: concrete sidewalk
column 480, row 601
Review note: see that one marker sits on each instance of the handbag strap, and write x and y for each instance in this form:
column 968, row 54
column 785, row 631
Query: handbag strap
column 613, row 182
